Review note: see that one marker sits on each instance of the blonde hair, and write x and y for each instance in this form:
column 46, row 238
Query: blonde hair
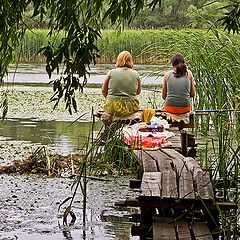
column 124, row 59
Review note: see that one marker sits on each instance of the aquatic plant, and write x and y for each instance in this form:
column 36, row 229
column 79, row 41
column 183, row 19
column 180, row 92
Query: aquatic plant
column 103, row 154
column 214, row 60
column 146, row 46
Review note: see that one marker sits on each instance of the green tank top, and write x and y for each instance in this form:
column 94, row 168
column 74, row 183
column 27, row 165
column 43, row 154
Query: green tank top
column 122, row 84
column 178, row 91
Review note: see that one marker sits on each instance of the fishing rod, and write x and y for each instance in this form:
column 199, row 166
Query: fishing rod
column 216, row 110
column 204, row 111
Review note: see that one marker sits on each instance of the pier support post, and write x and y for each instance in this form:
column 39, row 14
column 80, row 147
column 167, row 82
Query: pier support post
column 184, row 142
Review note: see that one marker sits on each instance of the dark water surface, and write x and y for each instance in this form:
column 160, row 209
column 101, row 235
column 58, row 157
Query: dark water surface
column 28, row 204
column 29, row 209
column 65, row 137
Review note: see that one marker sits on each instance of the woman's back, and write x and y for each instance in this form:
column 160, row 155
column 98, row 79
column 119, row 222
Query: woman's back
column 178, row 87
column 178, row 91
column 123, row 84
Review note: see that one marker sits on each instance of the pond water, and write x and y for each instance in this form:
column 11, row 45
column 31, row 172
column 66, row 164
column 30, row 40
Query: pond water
column 29, row 73
column 65, row 137
column 29, row 203
column 29, row 209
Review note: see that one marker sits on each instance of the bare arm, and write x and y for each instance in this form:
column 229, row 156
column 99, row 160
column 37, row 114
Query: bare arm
column 192, row 89
column 105, row 86
column 139, row 87
column 164, row 87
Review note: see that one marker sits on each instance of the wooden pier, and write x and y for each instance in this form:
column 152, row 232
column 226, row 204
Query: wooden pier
column 174, row 198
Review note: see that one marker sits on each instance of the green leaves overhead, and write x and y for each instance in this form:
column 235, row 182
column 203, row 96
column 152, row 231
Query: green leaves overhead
column 120, row 11
column 231, row 20
column 80, row 22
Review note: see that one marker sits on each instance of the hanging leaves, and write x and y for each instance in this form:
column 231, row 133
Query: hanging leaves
column 231, row 20
column 80, row 22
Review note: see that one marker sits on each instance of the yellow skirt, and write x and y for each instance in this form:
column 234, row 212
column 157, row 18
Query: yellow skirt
column 119, row 108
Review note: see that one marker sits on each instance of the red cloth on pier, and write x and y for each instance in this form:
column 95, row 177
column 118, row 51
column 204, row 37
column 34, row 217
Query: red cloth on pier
column 145, row 142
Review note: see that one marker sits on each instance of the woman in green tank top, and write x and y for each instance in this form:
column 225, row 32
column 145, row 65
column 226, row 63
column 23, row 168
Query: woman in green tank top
column 121, row 87
column 178, row 87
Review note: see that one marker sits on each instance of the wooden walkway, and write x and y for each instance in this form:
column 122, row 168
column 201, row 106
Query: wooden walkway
column 174, row 196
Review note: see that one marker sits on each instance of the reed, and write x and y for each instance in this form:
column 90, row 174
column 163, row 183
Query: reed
column 146, row 46
column 214, row 61
column 33, row 41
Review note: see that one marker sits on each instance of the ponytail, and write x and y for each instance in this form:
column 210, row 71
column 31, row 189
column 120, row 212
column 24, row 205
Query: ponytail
column 179, row 63
column 181, row 70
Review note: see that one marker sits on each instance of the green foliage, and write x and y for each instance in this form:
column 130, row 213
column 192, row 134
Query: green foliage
column 231, row 20
column 200, row 17
column 80, row 22
column 11, row 31
column 180, row 14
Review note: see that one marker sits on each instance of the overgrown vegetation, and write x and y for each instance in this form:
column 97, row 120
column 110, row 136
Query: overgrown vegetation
column 147, row 46
column 215, row 63
column 81, row 22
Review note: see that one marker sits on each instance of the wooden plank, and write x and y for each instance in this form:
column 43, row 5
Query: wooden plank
column 191, row 164
column 151, row 184
column 186, row 185
column 175, row 143
column 163, row 229
column 172, row 203
column 204, row 186
column 182, row 230
column 163, row 161
column 173, row 153
column 201, row 231
column 176, row 158
column 148, row 164
column 169, row 186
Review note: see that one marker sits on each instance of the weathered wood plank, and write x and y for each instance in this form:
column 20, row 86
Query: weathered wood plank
column 175, row 143
column 164, row 185
column 186, row 185
column 186, row 170
column 171, row 203
column 191, row 164
column 148, row 164
column 176, row 158
column 204, row 186
column 163, row 229
column 169, row 186
column 182, row 230
column 201, row 231
column 151, row 184
column 163, row 160
column 173, row 153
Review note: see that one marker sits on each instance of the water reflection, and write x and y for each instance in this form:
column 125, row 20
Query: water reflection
column 65, row 137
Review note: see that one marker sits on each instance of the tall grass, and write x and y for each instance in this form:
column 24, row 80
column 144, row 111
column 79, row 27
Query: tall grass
column 214, row 60
column 146, row 46
column 32, row 42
